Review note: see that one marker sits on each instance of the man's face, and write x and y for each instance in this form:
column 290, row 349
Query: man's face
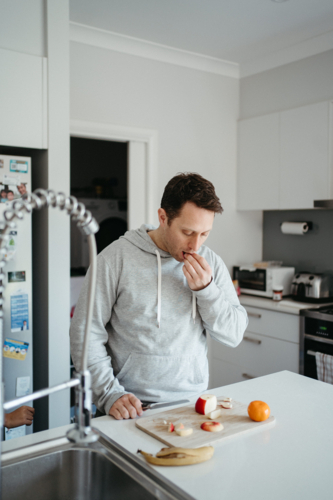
column 21, row 189
column 187, row 232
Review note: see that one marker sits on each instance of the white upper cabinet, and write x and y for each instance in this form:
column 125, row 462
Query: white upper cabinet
column 295, row 159
column 258, row 163
column 23, row 100
column 304, row 161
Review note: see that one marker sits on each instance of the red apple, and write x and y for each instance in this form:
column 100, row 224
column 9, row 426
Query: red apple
column 205, row 404
column 212, row 426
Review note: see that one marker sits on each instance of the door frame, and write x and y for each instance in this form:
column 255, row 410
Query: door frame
column 141, row 167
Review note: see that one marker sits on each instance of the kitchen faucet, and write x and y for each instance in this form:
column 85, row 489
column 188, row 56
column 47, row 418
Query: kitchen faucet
column 40, row 198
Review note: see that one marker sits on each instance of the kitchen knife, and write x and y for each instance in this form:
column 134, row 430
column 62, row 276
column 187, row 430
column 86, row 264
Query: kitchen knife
column 154, row 406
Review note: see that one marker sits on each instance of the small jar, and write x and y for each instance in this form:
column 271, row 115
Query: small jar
column 277, row 292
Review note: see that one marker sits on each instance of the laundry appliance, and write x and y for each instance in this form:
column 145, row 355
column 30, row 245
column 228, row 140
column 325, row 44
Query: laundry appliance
column 111, row 216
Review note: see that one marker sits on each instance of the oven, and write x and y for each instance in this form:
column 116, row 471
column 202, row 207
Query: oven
column 316, row 335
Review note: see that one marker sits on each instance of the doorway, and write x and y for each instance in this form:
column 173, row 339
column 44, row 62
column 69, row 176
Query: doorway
column 99, row 180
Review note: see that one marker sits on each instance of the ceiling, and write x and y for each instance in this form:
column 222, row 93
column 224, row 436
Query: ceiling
column 239, row 31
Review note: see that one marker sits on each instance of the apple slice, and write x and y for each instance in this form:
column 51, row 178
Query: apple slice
column 227, row 399
column 206, row 404
column 226, row 405
column 184, row 432
column 214, row 414
column 212, row 426
column 171, row 427
column 178, row 427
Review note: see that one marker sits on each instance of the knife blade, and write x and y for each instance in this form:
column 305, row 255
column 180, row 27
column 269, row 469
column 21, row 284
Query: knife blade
column 154, row 406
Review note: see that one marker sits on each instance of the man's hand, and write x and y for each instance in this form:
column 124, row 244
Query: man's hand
column 197, row 271
column 22, row 416
column 128, row 406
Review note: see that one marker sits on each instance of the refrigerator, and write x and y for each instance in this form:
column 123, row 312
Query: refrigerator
column 15, row 180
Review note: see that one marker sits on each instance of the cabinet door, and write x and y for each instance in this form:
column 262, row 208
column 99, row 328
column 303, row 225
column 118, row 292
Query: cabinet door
column 258, row 163
column 261, row 355
column 22, row 100
column 304, row 163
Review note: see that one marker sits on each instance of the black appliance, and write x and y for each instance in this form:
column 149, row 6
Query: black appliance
column 316, row 335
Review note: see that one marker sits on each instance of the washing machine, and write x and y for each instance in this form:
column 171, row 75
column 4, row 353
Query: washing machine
column 111, row 216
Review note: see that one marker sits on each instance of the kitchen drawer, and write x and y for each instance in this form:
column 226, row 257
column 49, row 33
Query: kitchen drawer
column 223, row 373
column 278, row 325
column 260, row 352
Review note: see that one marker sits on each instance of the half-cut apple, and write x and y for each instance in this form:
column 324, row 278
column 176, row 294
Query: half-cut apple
column 206, row 404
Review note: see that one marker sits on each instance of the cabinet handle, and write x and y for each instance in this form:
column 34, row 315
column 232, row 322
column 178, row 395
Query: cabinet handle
column 246, row 375
column 254, row 315
column 255, row 341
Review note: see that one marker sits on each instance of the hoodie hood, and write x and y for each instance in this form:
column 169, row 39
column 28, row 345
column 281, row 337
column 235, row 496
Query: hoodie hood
column 141, row 239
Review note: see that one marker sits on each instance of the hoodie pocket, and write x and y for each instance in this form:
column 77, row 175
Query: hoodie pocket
column 154, row 376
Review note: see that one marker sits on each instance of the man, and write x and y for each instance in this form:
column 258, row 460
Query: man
column 157, row 297
column 22, row 189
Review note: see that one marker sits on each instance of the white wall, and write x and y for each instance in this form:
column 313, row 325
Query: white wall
column 23, row 27
column 296, row 84
column 40, row 28
column 195, row 114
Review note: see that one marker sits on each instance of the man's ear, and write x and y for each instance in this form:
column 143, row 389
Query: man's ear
column 162, row 217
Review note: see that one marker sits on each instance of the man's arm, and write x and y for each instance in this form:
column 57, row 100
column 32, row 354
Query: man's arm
column 111, row 396
column 222, row 315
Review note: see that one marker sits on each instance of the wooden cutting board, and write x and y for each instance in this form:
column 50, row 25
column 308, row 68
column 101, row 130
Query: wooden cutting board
column 235, row 421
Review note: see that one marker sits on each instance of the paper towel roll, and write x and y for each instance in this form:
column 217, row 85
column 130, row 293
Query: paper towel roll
column 294, row 227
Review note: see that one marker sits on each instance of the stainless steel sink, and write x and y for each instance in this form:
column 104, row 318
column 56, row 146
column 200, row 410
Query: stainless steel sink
column 98, row 471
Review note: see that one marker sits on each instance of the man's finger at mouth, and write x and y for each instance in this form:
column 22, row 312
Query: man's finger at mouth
column 188, row 276
column 195, row 265
column 191, row 271
column 202, row 261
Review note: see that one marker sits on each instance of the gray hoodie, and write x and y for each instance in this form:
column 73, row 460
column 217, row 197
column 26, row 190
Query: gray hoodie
column 148, row 334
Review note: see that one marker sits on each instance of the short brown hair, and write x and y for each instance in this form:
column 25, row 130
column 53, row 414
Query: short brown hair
column 190, row 187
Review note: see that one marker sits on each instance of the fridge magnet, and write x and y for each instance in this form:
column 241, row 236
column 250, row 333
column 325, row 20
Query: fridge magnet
column 15, row 349
column 15, row 432
column 19, row 311
column 16, row 276
column 12, row 244
column 18, row 166
column 22, row 386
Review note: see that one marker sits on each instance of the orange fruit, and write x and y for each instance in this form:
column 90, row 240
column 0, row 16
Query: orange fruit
column 258, row 411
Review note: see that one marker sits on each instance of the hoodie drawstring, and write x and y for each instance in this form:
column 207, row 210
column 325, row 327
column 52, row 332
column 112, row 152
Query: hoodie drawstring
column 194, row 307
column 159, row 292
column 159, row 287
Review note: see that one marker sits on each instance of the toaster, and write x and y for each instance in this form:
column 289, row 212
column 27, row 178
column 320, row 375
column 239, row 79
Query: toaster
column 311, row 287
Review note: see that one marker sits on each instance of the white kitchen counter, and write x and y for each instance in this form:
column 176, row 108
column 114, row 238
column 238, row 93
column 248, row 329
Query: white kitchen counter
column 287, row 305
column 289, row 461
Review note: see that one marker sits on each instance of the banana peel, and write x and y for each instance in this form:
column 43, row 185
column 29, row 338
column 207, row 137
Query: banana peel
column 179, row 456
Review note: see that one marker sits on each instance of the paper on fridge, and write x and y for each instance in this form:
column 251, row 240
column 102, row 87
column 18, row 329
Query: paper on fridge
column 15, row 349
column 19, row 311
